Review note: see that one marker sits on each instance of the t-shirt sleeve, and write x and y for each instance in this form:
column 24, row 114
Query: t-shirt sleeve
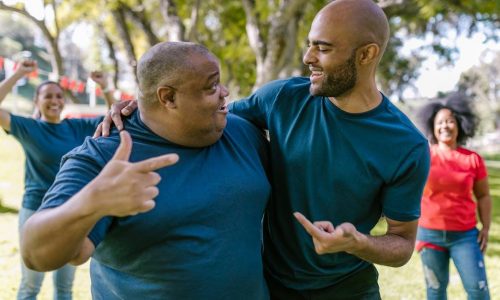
column 78, row 168
column 257, row 107
column 20, row 127
column 89, row 125
column 481, row 171
column 402, row 195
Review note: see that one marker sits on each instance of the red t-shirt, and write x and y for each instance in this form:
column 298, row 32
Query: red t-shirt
column 447, row 201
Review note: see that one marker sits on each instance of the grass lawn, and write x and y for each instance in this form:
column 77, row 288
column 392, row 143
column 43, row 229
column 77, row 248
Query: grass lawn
column 406, row 282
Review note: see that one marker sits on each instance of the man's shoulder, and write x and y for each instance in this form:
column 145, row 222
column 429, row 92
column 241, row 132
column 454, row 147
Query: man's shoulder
column 238, row 124
column 404, row 122
column 98, row 150
column 288, row 84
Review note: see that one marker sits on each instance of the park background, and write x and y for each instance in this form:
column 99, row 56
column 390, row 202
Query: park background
column 436, row 48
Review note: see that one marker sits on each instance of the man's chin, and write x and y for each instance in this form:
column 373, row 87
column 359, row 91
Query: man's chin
column 315, row 90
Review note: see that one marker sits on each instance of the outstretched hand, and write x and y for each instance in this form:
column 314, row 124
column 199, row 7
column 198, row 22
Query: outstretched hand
column 114, row 116
column 330, row 239
column 124, row 188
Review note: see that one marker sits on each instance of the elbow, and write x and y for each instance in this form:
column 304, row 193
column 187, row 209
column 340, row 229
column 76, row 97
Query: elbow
column 402, row 259
column 399, row 263
column 35, row 256
column 36, row 264
column 80, row 259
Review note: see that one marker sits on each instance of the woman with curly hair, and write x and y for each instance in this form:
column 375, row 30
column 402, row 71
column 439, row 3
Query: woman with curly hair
column 447, row 226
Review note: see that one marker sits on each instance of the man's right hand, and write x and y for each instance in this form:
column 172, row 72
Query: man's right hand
column 114, row 116
column 123, row 188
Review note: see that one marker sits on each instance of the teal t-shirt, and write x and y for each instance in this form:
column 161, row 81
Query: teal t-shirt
column 44, row 145
column 203, row 238
column 331, row 165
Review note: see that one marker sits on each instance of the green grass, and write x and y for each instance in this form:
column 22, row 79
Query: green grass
column 406, row 282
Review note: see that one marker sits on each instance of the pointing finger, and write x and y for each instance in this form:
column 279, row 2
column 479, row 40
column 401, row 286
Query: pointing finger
column 156, row 163
column 308, row 226
column 125, row 147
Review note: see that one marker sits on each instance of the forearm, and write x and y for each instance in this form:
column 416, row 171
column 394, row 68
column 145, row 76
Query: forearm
column 53, row 237
column 484, row 211
column 389, row 249
column 7, row 85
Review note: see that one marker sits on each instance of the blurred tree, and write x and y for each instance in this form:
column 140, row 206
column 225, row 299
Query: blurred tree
column 431, row 21
column 482, row 85
column 50, row 32
column 262, row 40
column 16, row 34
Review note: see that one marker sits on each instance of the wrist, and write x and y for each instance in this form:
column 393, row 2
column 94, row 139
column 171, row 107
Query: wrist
column 360, row 244
column 87, row 200
column 18, row 74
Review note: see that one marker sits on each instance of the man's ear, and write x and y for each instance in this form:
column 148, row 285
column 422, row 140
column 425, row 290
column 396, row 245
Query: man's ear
column 369, row 53
column 166, row 96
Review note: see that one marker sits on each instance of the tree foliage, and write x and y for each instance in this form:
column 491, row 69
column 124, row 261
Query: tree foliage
column 261, row 40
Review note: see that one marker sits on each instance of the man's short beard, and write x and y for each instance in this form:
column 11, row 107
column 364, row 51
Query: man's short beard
column 341, row 80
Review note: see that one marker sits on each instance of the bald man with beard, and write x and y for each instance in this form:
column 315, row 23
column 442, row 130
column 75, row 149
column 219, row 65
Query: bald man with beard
column 342, row 155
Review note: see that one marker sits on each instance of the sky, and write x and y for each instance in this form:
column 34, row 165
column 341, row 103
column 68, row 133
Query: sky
column 434, row 78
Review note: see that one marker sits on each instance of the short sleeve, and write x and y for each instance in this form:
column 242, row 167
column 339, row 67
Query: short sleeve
column 88, row 125
column 20, row 127
column 257, row 107
column 482, row 171
column 78, row 168
column 401, row 197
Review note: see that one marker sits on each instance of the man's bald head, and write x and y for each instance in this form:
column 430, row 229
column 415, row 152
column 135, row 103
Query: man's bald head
column 165, row 64
column 364, row 20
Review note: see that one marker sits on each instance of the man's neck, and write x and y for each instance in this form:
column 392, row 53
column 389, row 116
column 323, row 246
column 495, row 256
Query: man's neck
column 358, row 101
column 163, row 126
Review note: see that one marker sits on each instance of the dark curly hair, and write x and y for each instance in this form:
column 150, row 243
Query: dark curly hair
column 457, row 103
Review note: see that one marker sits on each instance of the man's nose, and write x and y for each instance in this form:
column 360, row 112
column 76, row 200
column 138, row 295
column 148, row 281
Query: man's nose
column 224, row 91
column 309, row 57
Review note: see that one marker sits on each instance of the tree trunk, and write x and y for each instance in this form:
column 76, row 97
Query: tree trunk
column 112, row 54
column 121, row 25
column 192, row 34
column 140, row 19
column 175, row 28
column 278, row 49
column 56, row 58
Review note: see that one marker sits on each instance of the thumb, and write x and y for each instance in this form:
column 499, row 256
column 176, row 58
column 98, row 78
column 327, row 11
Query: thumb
column 125, row 147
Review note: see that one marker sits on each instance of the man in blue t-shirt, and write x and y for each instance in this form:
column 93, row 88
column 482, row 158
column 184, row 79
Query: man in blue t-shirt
column 341, row 155
column 196, row 234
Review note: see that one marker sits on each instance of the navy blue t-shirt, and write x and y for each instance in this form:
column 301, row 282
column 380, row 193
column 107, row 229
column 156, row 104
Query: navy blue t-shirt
column 331, row 165
column 44, row 145
column 203, row 238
